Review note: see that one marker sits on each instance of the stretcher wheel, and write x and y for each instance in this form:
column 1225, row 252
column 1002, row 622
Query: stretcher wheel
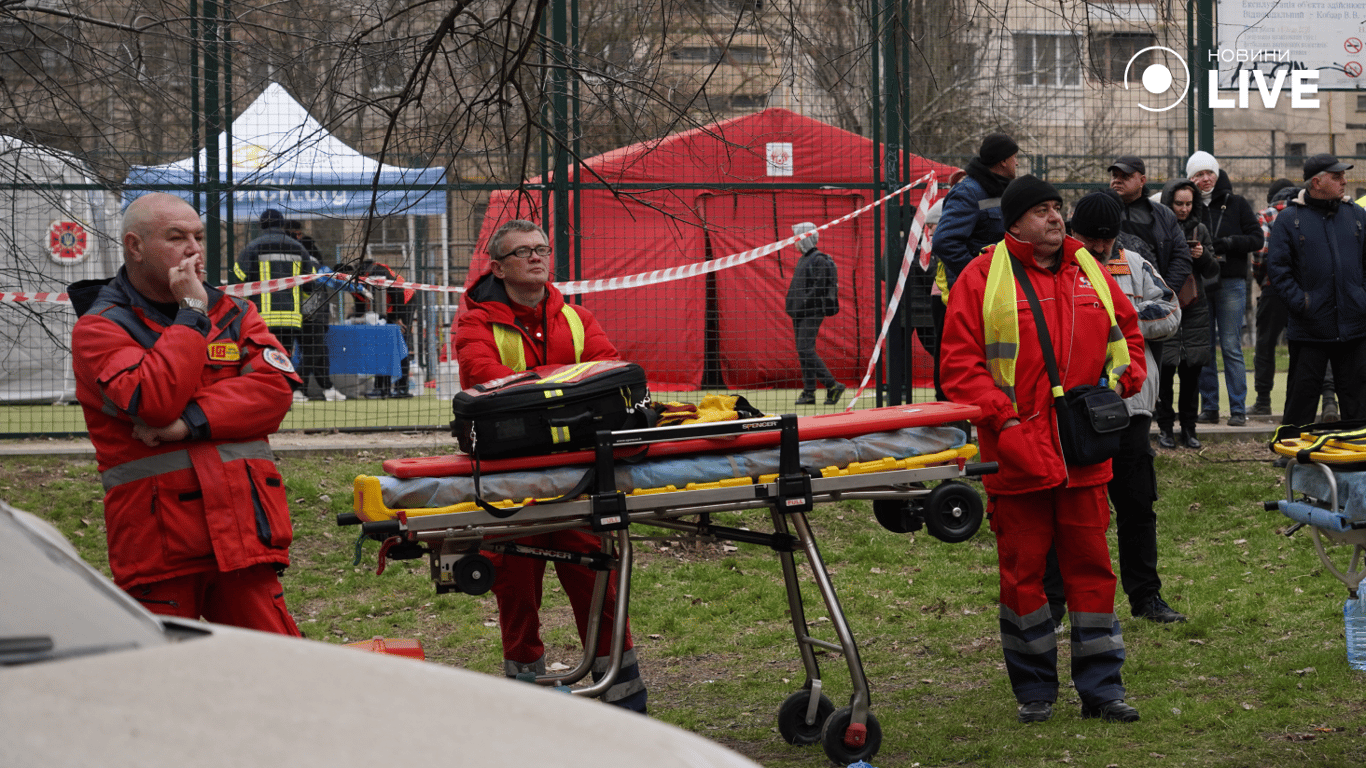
column 473, row 574
column 792, row 718
column 897, row 515
column 845, row 747
column 953, row 512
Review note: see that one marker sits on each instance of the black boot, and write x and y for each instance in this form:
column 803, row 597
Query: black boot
column 1165, row 439
column 1187, row 439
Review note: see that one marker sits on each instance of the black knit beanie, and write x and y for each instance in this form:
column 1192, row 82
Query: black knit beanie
column 1098, row 215
column 1024, row 193
column 995, row 148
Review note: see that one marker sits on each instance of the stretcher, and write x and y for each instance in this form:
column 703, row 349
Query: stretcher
column 453, row 536
column 1325, row 487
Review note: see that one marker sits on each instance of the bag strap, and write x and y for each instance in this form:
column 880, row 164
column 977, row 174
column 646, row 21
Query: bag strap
column 1046, row 343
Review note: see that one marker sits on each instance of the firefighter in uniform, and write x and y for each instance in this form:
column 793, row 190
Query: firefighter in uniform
column 271, row 256
column 515, row 319
column 991, row 356
column 181, row 385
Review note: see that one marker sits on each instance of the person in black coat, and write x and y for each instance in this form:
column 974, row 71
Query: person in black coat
column 1185, row 354
column 1315, row 262
column 812, row 296
column 1233, row 225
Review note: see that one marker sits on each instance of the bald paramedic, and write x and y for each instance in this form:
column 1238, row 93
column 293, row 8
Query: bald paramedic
column 181, row 385
column 514, row 319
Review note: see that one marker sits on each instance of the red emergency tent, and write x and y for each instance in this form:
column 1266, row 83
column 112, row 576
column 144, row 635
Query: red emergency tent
column 728, row 329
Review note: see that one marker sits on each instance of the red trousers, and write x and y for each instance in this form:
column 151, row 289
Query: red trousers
column 251, row 598
column 518, row 586
column 1027, row 526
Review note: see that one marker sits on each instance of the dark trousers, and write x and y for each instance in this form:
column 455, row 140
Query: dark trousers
column 1271, row 319
column 1188, row 401
column 814, row 371
column 937, row 312
column 316, row 362
column 289, row 338
column 1309, row 361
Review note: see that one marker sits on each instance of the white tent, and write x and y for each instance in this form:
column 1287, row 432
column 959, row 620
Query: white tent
column 277, row 144
column 49, row 238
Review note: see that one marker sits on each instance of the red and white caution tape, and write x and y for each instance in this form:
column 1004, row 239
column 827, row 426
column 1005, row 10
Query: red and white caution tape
column 572, row 287
column 913, row 241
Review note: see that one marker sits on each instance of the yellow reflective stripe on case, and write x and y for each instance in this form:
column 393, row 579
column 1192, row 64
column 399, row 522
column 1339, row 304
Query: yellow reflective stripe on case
column 559, row 434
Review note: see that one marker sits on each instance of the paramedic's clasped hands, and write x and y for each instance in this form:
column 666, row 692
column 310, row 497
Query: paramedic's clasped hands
column 187, row 279
column 154, row 436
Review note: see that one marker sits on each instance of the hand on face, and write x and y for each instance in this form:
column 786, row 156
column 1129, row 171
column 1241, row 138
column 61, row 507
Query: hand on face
column 186, row 279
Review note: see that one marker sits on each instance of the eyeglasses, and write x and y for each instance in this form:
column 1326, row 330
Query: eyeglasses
column 525, row 252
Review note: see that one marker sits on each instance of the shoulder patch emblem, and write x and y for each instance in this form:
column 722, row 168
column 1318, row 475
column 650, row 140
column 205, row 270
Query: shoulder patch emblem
column 225, row 352
column 278, row 360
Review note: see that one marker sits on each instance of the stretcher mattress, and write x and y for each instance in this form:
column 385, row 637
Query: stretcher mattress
column 935, row 444
column 1351, row 490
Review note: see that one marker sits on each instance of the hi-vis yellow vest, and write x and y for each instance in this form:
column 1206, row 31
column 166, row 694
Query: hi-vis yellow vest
column 509, row 340
column 1001, row 322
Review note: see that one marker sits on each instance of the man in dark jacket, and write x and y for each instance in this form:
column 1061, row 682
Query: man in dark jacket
column 1233, row 225
column 813, row 296
column 271, row 256
column 1315, row 263
column 1154, row 224
column 971, row 219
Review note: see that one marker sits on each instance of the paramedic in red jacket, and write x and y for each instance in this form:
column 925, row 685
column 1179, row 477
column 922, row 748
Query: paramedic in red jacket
column 515, row 319
column 180, row 385
column 1036, row 499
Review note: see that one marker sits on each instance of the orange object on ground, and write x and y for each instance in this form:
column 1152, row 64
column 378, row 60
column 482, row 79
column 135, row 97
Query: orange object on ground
column 391, row 646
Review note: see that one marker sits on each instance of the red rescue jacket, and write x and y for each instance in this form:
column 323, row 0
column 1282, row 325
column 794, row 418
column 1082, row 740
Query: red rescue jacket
column 214, row 501
column 1029, row 455
column 546, row 336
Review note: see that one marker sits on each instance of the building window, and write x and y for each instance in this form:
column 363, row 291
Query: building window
column 1361, row 103
column 1048, row 59
column 737, row 54
column 1294, row 156
column 1111, row 53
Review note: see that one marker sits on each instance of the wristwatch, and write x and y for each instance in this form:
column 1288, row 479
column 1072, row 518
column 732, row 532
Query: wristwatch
column 199, row 306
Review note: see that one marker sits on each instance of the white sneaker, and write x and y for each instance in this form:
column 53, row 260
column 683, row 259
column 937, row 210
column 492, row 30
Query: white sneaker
column 299, row 396
column 332, row 395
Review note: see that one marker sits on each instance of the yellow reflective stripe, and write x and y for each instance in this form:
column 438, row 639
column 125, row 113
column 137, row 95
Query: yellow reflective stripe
column 162, row 463
column 292, row 317
column 1116, row 348
column 553, row 393
column 568, row 373
column 575, row 331
column 509, row 340
column 559, row 434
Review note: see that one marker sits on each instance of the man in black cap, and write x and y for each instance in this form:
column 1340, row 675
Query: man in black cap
column 1095, row 223
column 1036, row 499
column 1155, row 225
column 970, row 218
column 274, row 255
column 1314, row 262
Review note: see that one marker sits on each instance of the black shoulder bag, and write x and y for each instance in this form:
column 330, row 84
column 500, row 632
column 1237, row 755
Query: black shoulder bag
column 1091, row 418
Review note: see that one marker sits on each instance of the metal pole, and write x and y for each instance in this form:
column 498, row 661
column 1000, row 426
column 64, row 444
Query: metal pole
column 213, row 117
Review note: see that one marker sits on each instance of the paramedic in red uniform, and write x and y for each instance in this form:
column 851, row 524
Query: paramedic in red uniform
column 515, row 319
column 1036, row 500
column 180, row 385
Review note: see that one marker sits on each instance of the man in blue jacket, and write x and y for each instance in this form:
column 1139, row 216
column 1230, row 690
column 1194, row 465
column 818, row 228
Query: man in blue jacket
column 1315, row 264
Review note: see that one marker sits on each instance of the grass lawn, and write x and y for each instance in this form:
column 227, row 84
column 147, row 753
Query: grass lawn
column 1256, row 678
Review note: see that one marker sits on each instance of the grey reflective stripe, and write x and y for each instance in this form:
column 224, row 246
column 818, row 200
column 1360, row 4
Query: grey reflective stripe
column 1044, row 644
column 1093, row 620
column 989, row 203
column 625, row 688
column 1001, row 350
column 1115, row 333
column 1102, row 644
column 1044, row 614
column 151, row 466
column 514, row 668
column 281, row 257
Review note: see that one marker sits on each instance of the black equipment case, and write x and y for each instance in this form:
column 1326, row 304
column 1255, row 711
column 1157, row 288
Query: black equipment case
column 551, row 411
